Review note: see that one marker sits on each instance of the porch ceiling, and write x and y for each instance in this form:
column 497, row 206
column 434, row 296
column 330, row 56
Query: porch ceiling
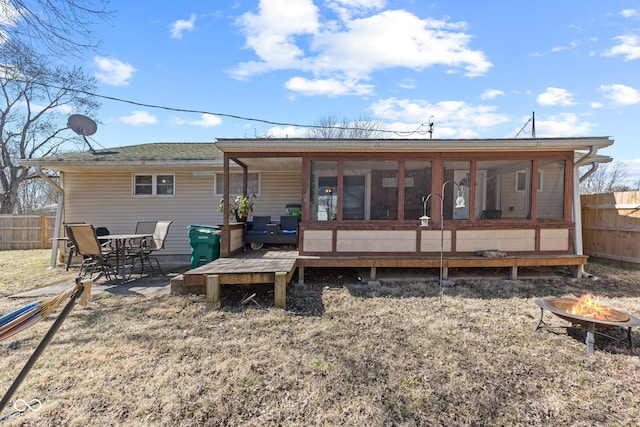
column 273, row 163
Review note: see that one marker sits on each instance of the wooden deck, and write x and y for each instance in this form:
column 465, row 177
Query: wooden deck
column 278, row 266
column 245, row 268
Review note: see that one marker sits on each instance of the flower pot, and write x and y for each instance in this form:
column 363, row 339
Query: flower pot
column 240, row 217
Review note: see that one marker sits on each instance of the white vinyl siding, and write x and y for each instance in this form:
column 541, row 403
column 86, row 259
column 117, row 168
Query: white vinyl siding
column 106, row 200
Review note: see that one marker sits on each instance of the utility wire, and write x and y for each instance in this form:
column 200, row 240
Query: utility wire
column 231, row 116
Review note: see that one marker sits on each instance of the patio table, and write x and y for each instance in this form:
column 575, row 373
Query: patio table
column 120, row 241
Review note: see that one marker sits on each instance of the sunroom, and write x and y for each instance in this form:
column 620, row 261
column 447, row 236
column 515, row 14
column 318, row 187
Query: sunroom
column 404, row 202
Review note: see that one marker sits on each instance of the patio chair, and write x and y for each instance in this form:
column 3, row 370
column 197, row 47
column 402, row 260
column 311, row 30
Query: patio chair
column 142, row 227
column 256, row 233
column 151, row 245
column 259, row 226
column 289, row 224
column 71, row 247
column 86, row 243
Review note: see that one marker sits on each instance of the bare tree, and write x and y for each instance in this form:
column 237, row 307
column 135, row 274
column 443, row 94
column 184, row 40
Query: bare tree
column 60, row 27
column 331, row 127
column 33, row 194
column 35, row 100
column 609, row 177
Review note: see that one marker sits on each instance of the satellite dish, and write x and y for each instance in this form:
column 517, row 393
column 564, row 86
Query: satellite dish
column 82, row 125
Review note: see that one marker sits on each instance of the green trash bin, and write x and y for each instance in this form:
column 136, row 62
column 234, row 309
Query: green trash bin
column 205, row 244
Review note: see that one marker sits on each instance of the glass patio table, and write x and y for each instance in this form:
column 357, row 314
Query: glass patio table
column 120, row 243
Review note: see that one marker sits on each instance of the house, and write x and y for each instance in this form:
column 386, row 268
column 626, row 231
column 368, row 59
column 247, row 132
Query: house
column 364, row 201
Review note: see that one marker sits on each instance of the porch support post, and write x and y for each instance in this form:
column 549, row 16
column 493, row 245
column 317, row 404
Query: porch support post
column 301, row 275
column 280, row 288
column 577, row 220
column 213, row 292
column 59, row 210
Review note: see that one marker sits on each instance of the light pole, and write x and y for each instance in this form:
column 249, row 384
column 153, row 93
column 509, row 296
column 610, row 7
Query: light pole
column 425, row 220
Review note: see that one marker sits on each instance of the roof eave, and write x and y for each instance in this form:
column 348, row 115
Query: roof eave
column 407, row 145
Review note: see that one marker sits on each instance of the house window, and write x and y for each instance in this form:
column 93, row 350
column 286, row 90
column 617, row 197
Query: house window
column 236, row 183
column 521, row 180
column 153, row 185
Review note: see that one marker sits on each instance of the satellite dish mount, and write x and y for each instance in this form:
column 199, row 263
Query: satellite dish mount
column 83, row 126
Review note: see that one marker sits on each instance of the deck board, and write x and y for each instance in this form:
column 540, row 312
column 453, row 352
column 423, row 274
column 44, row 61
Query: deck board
column 260, row 265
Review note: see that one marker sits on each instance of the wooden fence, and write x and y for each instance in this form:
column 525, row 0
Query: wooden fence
column 26, row 231
column 611, row 226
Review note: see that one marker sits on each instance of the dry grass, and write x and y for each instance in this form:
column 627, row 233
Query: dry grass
column 17, row 270
column 342, row 354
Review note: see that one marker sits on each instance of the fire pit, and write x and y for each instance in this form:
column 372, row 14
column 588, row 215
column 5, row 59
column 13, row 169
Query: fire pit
column 587, row 313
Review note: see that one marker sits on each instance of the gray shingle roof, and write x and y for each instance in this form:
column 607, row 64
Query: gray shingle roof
column 160, row 152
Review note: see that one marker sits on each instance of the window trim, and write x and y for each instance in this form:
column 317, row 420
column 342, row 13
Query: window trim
column 154, row 185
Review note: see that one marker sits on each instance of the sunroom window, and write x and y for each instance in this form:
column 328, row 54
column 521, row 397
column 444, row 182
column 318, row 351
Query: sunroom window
column 496, row 195
column 417, row 184
column 324, row 190
column 550, row 195
column 456, row 185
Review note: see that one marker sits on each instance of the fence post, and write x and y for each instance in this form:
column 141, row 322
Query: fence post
column 43, row 231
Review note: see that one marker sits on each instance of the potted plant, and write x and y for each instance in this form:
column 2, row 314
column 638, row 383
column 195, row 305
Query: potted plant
column 241, row 206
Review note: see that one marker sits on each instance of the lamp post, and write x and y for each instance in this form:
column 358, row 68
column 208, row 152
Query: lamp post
column 424, row 220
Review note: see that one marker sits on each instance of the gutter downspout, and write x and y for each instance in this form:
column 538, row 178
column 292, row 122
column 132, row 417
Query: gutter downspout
column 577, row 208
column 58, row 222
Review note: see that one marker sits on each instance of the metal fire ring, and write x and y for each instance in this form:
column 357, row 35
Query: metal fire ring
column 554, row 306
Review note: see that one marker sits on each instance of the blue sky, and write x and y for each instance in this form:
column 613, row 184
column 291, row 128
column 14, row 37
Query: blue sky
column 479, row 68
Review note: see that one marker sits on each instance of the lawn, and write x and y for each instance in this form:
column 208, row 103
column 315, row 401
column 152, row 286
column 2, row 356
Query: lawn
column 343, row 353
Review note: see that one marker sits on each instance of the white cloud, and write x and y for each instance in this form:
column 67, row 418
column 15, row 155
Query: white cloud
column 288, row 35
column 628, row 13
column 628, row 46
column 181, row 25
column 453, row 119
column 271, row 34
column 112, row 71
column 562, row 125
column 621, row 94
column 346, row 9
column 138, row 118
column 555, row 96
column 207, row 121
column 10, row 15
column 329, row 87
column 491, row 94
column 407, row 84
column 596, row 105
column 286, row 132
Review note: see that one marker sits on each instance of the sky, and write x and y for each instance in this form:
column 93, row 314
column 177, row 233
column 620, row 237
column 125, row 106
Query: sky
column 476, row 69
